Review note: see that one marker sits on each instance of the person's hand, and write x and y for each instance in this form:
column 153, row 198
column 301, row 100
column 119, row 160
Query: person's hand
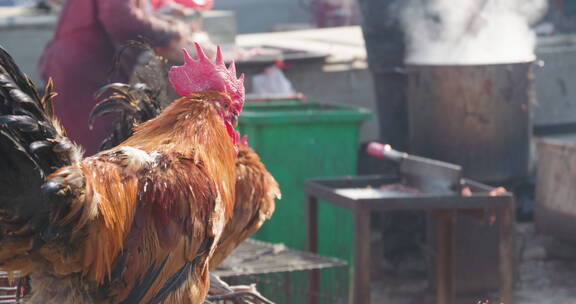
column 179, row 10
column 175, row 9
column 183, row 12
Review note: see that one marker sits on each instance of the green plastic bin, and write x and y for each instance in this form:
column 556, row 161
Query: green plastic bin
column 298, row 141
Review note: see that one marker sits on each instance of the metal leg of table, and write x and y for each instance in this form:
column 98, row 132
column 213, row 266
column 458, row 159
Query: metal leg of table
column 312, row 239
column 288, row 287
column 507, row 253
column 445, row 257
column 361, row 285
column 312, row 224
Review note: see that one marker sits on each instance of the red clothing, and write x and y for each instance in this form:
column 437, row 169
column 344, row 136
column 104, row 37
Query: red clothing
column 156, row 4
column 79, row 57
column 197, row 4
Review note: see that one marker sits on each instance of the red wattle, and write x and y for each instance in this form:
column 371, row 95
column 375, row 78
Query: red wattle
column 233, row 134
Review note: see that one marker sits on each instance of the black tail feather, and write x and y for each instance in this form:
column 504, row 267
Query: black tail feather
column 136, row 104
column 32, row 146
column 29, row 116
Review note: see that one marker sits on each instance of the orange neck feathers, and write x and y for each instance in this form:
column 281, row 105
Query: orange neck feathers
column 192, row 127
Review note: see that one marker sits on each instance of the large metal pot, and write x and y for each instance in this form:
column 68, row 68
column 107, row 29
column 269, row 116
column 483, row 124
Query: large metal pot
column 477, row 116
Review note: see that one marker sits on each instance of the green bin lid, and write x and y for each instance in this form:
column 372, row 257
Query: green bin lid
column 302, row 113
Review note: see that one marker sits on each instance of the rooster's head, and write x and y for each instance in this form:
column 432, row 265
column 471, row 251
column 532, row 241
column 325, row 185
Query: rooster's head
column 203, row 75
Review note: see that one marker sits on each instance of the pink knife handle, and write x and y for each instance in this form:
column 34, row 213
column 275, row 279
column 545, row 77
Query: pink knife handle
column 379, row 150
column 376, row 149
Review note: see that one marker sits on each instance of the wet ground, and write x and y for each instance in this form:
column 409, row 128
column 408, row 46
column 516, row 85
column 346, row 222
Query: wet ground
column 547, row 275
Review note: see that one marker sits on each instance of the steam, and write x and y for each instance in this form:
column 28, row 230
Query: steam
column 470, row 31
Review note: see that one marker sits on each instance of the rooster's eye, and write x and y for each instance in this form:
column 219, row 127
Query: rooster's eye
column 226, row 105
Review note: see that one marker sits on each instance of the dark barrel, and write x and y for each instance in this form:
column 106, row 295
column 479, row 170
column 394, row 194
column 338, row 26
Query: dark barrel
column 477, row 116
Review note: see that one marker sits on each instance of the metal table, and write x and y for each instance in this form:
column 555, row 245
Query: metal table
column 363, row 195
column 256, row 258
column 253, row 257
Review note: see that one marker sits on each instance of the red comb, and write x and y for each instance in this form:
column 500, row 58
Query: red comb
column 202, row 75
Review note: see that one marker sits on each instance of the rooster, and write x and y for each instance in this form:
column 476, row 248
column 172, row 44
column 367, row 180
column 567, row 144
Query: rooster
column 137, row 223
column 256, row 188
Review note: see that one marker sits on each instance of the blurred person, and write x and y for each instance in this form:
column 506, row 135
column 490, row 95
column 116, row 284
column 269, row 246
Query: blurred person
column 80, row 56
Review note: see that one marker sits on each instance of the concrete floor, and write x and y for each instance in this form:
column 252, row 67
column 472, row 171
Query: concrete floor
column 547, row 275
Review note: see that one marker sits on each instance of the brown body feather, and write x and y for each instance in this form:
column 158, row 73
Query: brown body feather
column 142, row 212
